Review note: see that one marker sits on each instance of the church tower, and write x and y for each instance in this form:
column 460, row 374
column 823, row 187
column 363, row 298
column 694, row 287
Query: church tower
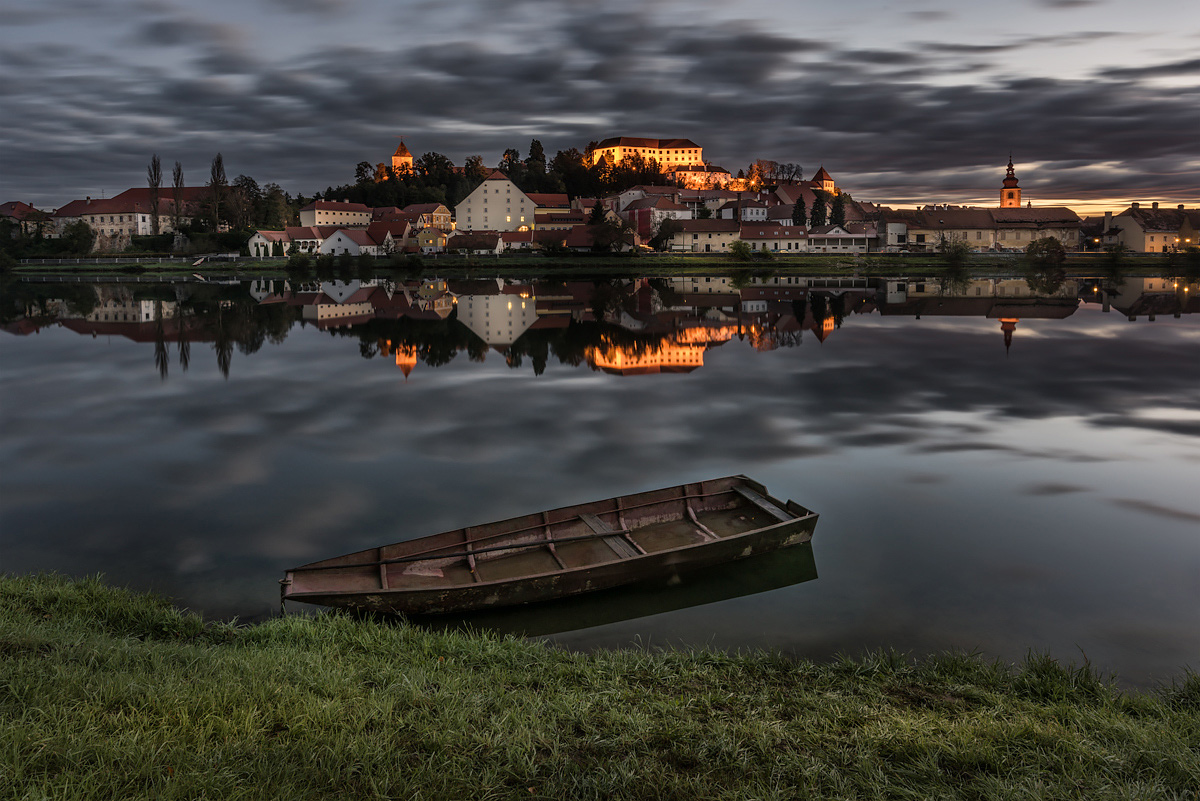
column 1010, row 195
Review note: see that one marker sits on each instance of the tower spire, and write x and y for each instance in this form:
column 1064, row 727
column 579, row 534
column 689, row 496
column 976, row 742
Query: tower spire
column 1010, row 195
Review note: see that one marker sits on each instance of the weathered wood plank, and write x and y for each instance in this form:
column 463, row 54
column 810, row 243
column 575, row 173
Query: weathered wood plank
column 619, row 545
column 763, row 503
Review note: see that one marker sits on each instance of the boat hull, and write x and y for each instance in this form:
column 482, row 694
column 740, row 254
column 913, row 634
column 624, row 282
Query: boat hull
column 796, row 529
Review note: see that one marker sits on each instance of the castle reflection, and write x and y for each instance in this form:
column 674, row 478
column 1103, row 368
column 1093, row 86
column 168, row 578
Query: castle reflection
column 625, row 326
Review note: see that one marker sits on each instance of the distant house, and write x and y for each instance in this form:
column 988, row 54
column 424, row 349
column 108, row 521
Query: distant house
column 28, row 219
column 744, row 210
column 131, row 213
column 268, row 244
column 1155, row 230
column 351, row 241
column 646, row 214
column 478, row 243
column 777, row 238
column 705, row 236
column 981, row 228
column 848, row 238
column 495, row 205
column 341, row 214
column 431, row 240
column 430, row 214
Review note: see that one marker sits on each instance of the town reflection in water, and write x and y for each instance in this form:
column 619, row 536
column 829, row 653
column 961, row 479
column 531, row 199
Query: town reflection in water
column 623, row 326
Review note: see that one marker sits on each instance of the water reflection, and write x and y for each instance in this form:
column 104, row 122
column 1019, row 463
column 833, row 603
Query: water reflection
column 968, row 499
column 627, row 327
column 757, row 574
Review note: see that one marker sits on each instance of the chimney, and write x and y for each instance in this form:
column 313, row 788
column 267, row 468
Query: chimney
column 1107, row 221
column 1134, row 205
column 1154, row 205
column 89, row 200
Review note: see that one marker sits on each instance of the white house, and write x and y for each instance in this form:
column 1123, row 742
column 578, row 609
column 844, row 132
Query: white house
column 354, row 241
column 495, row 205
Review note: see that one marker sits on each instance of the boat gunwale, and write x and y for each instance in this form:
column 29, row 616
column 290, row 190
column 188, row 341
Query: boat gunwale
column 399, row 591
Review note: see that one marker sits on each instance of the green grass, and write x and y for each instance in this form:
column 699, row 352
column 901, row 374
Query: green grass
column 109, row 694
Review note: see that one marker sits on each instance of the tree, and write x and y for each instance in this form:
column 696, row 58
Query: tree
column 363, row 172
column 798, row 215
column 510, row 159
column 216, row 186
column 740, row 250
column 667, row 228
column 474, row 170
column 1047, row 250
column 955, row 249
column 597, row 215
column 245, row 200
column 177, row 196
column 537, row 157
column 154, row 179
column 837, row 214
column 704, row 213
column 77, row 237
column 818, row 208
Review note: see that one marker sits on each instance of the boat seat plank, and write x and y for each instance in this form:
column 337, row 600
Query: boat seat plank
column 763, row 503
column 622, row 548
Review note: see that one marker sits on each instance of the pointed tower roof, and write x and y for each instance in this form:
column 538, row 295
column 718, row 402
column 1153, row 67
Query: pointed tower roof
column 1010, row 178
column 401, row 150
column 822, row 175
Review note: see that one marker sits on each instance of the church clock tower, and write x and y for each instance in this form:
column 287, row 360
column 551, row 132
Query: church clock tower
column 1010, row 195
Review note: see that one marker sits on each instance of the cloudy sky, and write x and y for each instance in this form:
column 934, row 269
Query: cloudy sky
column 903, row 102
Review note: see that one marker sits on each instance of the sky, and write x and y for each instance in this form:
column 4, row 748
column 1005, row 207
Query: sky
column 903, row 102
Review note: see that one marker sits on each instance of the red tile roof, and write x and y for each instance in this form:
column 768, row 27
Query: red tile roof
column 549, row 200
column 638, row 141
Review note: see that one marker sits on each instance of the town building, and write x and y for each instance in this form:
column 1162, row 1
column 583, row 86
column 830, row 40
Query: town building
column 1157, row 230
column 705, row 236
column 131, row 213
column 669, row 153
column 497, row 204
column 340, row 213
column 27, row 219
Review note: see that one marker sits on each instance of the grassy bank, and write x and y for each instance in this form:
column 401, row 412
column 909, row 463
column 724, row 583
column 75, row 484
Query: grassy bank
column 108, row 694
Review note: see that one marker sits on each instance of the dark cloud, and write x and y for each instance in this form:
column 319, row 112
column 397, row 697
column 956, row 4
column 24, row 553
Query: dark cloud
column 1172, row 70
column 317, row 7
column 1053, row 488
column 593, row 71
column 1158, row 510
column 1068, row 5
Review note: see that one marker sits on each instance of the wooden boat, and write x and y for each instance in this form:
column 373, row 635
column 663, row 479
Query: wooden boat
column 559, row 553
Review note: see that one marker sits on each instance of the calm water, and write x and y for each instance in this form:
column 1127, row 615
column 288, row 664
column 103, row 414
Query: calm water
column 1040, row 495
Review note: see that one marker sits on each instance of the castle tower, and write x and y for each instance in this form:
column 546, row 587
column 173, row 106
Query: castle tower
column 824, row 181
column 402, row 160
column 1010, row 195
